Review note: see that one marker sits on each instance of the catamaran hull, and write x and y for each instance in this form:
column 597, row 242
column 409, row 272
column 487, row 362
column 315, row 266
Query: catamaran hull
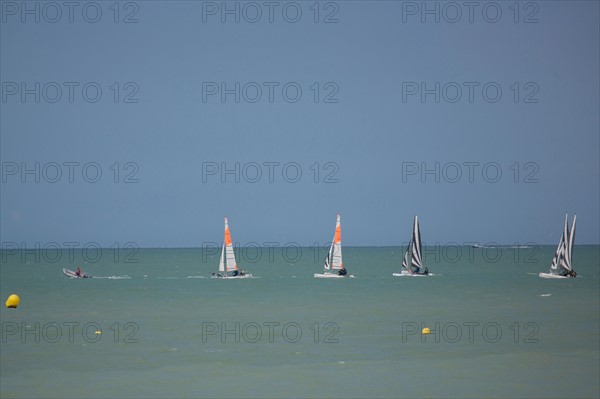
column 231, row 277
column 550, row 275
column 404, row 274
column 331, row 275
column 72, row 274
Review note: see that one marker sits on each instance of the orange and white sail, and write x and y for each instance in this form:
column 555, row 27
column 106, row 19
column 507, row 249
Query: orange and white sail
column 334, row 256
column 227, row 262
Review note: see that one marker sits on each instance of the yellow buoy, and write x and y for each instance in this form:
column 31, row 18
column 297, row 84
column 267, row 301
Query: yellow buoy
column 426, row 331
column 98, row 332
column 12, row 301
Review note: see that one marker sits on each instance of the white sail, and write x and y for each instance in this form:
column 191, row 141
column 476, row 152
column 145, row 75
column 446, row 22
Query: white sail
column 222, row 261
column 336, row 258
column 417, row 259
column 231, row 265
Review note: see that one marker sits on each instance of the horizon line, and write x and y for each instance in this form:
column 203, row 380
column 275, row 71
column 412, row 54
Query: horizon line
column 523, row 246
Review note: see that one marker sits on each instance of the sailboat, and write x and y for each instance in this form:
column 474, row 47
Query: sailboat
column 562, row 266
column 334, row 268
column 414, row 248
column 228, row 267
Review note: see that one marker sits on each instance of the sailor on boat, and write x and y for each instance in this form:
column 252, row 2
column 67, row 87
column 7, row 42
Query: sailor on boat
column 343, row 271
column 417, row 270
column 79, row 273
column 568, row 273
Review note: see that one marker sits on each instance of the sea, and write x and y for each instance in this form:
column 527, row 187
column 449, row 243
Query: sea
column 153, row 323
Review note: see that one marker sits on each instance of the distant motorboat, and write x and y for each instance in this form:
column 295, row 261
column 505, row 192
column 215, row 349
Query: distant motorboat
column 478, row 246
column 72, row 274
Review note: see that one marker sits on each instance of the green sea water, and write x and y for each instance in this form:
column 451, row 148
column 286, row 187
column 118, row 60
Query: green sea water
column 169, row 330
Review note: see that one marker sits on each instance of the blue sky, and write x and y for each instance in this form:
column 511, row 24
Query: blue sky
column 165, row 131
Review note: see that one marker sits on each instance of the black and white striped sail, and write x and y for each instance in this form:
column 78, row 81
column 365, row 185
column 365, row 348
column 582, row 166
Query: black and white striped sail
column 558, row 254
column 405, row 266
column 563, row 257
column 569, row 247
column 417, row 255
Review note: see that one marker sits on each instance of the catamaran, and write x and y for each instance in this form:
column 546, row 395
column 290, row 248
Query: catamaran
column 333, row 260
column 416, row 267
column 562, row 266
column 228, row 267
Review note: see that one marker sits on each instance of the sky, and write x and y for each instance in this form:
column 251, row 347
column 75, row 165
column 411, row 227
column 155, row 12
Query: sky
column 149, row 121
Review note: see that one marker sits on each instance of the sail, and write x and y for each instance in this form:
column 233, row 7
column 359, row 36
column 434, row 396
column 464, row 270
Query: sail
column 417, row 259
column 569, row 248
column 336, row 257
column 229, row 255
column 327, row 265
column 222, row 261
column 405, row 258
column 564, row 261
column 557, row 255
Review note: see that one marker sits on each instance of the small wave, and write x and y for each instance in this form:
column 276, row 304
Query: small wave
column 545, row 294
column 114, row 277
column 196, row 277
